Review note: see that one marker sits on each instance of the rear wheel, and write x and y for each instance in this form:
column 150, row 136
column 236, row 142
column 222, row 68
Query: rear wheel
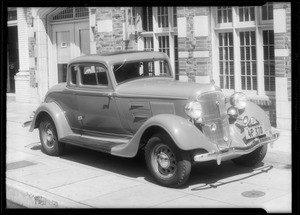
column 253, row 158
column 169, row 165
column 49, row 138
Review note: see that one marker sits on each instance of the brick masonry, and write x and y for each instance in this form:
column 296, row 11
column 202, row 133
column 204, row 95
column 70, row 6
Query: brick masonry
column 193, row 66
column 112, row 41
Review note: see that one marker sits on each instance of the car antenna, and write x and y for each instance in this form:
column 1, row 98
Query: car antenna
column 121, row 65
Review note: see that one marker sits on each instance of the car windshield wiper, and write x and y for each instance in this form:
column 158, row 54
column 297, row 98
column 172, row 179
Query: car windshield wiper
column 121, row 65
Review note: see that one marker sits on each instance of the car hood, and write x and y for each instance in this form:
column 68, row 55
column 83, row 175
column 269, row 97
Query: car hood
column 163, row 88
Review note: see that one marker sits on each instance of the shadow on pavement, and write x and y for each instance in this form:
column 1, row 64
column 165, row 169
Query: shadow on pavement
column 229, row 170
column 208, row 175
column 131, row 167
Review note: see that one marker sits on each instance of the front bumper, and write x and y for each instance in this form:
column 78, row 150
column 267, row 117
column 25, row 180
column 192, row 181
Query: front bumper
column 220, row 153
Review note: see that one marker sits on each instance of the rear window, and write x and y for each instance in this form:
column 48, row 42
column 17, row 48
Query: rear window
column 142, row 69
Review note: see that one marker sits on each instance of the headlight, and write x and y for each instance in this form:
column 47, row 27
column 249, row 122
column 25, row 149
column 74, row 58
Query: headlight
column 194, row 109
column 238, row 100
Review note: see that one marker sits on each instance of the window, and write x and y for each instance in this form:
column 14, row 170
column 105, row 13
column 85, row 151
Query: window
column 163, row 17
column 11, row 14
column 176, row 57
column 246, row 14
column 269, row 60
column 224, row 14
column 164, row 45
column 72, row 13
column 248, row 60
column 174, row 16
column 243, row 48
column 147, row 19
column 92, row 74
column 74, row 74
column 148, row 44
column 143, row 69
column 267, row 11
column 226, row 60
column 162, row 35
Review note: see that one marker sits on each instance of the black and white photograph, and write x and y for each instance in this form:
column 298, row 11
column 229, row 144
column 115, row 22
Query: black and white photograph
column 149, row 107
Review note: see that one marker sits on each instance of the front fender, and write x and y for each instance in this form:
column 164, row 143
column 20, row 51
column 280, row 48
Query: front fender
column 184, row 134
column 251, row 111
column 57, row 115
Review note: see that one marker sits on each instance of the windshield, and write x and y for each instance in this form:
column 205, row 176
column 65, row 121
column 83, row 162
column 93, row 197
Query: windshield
column 142, row 69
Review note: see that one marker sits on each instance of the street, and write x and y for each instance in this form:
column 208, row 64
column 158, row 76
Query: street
column 89, row 179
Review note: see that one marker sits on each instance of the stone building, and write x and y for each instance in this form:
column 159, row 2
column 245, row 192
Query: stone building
column 244, row 48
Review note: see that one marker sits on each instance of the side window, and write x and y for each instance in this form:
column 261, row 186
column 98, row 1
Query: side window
column 88, row 75
column 101, row 75
column 93, row 75
column 74, row 74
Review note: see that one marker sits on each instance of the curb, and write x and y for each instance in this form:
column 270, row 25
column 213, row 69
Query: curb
column 31, row 197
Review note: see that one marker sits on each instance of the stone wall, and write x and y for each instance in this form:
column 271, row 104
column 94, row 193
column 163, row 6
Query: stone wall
column 194, row 44
column 282, row 36
column 109, row 30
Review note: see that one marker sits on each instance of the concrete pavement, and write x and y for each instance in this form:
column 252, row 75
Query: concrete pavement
column 82, row 178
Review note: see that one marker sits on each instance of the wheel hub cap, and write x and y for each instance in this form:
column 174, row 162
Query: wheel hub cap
column 163, row 160
column 49, row 135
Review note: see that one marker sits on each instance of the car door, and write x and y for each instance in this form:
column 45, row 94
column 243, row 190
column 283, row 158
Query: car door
column 97, row 107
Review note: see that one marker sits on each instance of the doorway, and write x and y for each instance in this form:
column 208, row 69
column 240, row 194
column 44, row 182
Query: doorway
column 12, row 58
column 70, row 40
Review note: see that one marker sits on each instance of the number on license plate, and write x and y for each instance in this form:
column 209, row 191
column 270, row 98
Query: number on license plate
column 254, row 131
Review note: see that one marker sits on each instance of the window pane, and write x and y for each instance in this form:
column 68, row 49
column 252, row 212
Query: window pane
column 241, row 14
column 267, row 11
column 88, row 76
column 226, row 64
column 147, row 19
column 252, row 16
column 246, row 14
column 101, row 75
column 175, row 16
column 162, row 15
column 224, row 14
column 270, row 11
column 73, row 75
column 229, row 14
column 248, row 60
column 269, row 60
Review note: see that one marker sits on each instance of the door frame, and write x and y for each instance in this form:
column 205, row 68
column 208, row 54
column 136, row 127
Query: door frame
column 75, row 50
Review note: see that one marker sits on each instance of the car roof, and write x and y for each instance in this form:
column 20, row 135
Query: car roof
column 117, row 57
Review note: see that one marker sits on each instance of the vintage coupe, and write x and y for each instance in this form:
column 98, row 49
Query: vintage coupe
column 129, row 102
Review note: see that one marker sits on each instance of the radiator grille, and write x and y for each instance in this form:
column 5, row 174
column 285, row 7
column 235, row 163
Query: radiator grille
column 214, row 111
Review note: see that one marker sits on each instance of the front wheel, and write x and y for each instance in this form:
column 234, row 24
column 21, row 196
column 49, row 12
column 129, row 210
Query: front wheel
column 253, row 158
column 49, row 139
column 169, row 165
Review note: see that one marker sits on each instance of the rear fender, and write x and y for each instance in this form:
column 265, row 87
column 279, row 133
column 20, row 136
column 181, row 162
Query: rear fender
column 57, row 115
column 184, row 134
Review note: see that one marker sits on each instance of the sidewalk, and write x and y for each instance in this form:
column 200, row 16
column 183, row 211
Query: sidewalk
column 87, row 179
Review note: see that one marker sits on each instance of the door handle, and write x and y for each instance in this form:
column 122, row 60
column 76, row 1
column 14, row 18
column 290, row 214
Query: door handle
column 110, row 95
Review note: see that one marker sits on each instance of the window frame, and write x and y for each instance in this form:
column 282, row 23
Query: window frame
column 170, row 31
column 79, row 84
column 269, row 21
column 236, row 28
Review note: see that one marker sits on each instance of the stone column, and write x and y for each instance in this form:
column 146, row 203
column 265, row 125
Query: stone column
column 22, row 78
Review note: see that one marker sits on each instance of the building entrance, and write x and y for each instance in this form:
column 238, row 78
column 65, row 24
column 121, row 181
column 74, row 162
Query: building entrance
column 12, row 58
column 70, row 40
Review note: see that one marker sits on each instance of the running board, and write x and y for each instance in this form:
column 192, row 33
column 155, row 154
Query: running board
column 103, row 144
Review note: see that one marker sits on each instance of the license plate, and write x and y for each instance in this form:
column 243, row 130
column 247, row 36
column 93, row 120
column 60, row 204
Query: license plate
column 254, row 131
